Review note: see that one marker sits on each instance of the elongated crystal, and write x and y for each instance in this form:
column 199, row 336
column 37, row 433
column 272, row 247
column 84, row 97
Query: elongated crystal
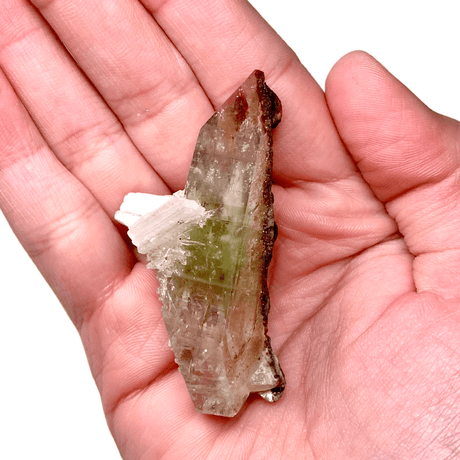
column 212, row 250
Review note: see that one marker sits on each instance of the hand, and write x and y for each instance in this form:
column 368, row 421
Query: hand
column 364, row 279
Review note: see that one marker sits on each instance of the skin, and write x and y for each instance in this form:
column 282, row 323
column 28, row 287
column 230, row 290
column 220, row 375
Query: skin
column 364, row 281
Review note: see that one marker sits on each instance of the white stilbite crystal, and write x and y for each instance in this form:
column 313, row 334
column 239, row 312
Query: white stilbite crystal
column 157, row 223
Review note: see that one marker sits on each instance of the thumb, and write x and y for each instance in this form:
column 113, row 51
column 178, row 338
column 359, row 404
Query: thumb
column 410, row 157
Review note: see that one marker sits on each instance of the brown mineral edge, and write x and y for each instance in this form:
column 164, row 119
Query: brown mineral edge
column 216, row 300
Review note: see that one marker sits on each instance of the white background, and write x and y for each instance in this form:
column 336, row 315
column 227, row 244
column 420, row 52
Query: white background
column 49, row 406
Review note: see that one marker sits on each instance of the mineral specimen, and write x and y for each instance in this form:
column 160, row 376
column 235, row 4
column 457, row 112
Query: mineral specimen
column 211, row 246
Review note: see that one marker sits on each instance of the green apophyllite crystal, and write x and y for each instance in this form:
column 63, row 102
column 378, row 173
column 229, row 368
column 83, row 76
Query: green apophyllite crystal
column 211, row 249
column 213, row 275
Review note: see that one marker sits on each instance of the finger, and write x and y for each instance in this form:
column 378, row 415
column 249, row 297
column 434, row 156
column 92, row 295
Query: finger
column 410, row 157
column 76, row 123
column 224, row 42
column 139, row 73
column 59, row 223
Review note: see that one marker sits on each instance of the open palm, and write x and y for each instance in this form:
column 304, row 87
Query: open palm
column 364, row 281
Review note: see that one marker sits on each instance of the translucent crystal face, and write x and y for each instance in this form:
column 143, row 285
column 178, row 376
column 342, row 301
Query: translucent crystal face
column 211, row 251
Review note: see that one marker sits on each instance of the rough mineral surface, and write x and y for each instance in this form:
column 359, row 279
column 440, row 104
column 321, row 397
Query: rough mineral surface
column 211, row 250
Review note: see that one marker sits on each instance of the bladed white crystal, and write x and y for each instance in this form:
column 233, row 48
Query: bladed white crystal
column 157, row 223
column 136, row 205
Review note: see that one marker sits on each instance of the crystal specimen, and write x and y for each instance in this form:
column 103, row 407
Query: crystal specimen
column 211, row 249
